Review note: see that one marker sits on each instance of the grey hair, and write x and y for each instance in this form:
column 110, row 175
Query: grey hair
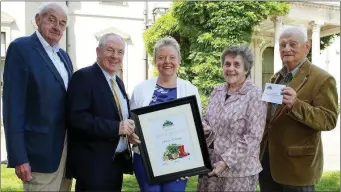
column 45, row 7
column 103, row 39
column 164, row 42
column 295, row 31
column 244, row 52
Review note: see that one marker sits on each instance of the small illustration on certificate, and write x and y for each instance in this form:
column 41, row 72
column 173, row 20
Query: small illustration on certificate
column 172, row 140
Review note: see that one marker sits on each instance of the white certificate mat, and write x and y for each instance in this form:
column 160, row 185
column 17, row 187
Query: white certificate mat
column 167, row 131
column 272, row 93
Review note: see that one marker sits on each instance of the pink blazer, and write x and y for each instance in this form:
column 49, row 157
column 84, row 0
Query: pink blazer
column 237, row 128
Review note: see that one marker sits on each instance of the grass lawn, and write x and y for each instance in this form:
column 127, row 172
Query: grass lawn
column 9, row 182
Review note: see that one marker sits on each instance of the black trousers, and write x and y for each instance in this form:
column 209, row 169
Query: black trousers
column 267, row 184
column 108, row 181
column 82, row 187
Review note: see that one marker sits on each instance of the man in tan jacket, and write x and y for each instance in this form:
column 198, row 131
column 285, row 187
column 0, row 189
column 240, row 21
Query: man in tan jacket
column 291, row 149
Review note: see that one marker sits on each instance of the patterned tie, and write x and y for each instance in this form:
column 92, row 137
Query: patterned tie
column 288, row 78
column 118, row 103
column 115, row 93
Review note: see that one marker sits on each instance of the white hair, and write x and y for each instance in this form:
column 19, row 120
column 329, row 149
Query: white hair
column 102, row 41
column 44, row 8
column 298, row 32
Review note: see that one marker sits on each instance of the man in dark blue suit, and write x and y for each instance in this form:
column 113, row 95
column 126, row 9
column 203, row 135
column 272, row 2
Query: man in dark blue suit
column 98, row 116
column 36, row 76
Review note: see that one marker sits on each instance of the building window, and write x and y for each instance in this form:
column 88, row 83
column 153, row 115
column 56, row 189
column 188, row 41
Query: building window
column 3, row 45
column 121, row 3
column 3, row 55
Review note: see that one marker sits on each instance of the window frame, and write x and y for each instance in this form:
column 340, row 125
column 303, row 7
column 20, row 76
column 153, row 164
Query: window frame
column 5, row 43
column 114, row 3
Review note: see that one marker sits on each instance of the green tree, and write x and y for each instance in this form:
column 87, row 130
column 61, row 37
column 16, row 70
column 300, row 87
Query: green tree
column 204, row 29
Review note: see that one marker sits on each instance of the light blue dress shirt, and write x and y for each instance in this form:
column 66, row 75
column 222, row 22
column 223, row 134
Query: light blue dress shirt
column 52, row 52
column 122, row 145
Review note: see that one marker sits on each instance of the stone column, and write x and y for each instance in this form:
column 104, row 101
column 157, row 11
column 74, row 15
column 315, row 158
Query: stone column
column 278, row 22
column 258, row 62
column 251, row 46
column 315, row 46
column 327, row 59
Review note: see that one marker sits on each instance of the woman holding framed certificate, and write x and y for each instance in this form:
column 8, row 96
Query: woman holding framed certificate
column 166, row 87
column 235, row 117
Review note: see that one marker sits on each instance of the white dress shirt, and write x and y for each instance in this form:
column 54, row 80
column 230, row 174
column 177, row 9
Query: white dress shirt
column 122, row 145
column 52, row 53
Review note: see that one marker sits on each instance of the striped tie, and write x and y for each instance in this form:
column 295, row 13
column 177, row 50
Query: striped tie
column 115, row 93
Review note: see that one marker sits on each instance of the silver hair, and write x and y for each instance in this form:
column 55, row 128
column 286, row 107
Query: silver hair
column 103, row 40
column 164, row 42
column 244, row 52
column 295, row 31
column 45, row 7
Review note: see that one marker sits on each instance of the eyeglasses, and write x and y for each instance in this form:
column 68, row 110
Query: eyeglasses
column 113, row 52
column 164, row 58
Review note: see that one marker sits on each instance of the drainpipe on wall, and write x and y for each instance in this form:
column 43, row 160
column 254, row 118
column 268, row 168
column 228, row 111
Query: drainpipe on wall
column 146, row 27
column 67, row 30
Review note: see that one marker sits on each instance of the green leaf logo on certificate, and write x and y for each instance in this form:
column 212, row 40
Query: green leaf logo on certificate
column 167, row 124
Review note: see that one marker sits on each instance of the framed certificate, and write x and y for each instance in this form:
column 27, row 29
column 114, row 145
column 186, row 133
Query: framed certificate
column 172, row 140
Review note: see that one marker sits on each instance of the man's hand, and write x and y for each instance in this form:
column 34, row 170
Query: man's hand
column 218, row 167
column 289, row 97
column 134, row 139
column 126, row 127
column 207, row 129
column 23, row 172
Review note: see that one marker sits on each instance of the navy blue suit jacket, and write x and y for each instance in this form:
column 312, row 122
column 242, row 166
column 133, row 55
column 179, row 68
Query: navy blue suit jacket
column 34, row 105
column 93, row 129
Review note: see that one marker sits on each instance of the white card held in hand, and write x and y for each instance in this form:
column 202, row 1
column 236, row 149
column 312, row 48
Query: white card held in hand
column 272, row 93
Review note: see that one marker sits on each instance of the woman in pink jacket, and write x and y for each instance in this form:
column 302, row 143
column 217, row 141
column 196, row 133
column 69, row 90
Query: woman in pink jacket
column 234, row 125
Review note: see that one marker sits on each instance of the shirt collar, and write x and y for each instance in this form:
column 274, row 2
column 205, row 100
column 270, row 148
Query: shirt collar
column 243, row 90
column 45, row 44
column 106, row 74
column 293, row 72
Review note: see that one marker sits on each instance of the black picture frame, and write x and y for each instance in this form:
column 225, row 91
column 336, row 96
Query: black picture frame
column 157, row 112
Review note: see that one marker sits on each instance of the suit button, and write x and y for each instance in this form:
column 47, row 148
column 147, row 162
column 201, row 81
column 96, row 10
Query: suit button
column 269, row 126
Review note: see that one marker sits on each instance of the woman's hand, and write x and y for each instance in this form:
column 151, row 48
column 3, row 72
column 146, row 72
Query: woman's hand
column 218, row 167
column 183, row 178
column 207, row 129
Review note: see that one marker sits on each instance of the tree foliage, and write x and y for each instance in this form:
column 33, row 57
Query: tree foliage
column 327, row 40
column 204, row 29
column 167, row 25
